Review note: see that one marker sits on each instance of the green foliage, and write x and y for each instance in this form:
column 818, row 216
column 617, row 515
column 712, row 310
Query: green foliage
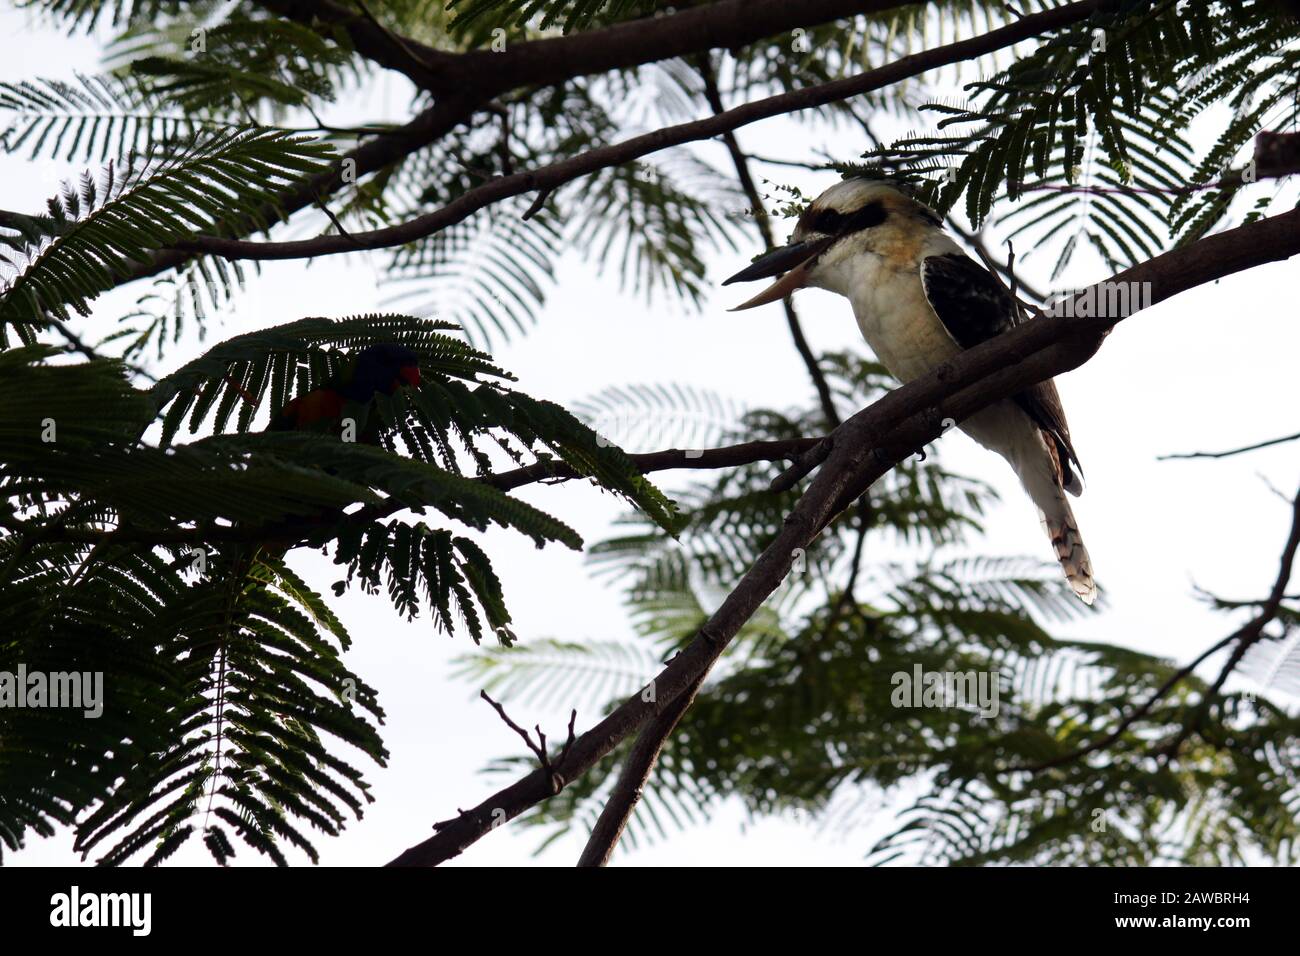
column 88, row 14
column 447, row 569
column 268, row 366
column 104, row 227
column 94, row 119
column 441, row 423
column 801, row 722
column 247, row 59
column 650, row 417
column 562, row 673
column 147, row 540
column 488, row 274
column 228, row 711
column 639, row 218
column 185, row 298
column 1085, row 137
column 1275, row 663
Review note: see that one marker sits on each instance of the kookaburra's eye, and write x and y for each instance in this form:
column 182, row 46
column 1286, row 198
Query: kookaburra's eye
column 827, row 222
column 832, row 222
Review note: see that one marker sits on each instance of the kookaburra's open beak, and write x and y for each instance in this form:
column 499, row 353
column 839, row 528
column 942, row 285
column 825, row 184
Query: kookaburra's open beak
column 795, row 260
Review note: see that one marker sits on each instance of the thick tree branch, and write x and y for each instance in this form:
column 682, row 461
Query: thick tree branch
column 558, row 174
column 640, row 762
column 421, row 64
column 466, row 81
column 862, row 449
column 631, row 779
column 726, row 25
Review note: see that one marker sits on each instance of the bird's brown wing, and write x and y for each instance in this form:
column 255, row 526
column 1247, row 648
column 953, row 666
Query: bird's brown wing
column 974, row 307
column 1043, row 403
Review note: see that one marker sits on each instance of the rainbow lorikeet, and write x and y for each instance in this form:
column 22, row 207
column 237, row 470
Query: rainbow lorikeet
column 379, row 368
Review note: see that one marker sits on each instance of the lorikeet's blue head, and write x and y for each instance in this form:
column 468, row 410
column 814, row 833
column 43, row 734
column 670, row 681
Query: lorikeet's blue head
column 381, row 368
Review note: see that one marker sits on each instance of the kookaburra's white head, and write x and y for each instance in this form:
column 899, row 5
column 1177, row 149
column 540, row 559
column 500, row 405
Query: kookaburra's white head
column 852, row 219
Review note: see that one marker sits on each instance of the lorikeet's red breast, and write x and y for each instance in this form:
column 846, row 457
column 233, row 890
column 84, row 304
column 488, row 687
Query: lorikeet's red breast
column 379, row 368
column 324, row 404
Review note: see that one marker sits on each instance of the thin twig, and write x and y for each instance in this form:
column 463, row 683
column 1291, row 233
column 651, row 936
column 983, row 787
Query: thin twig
column 1177, row 677
column 539, row 748
column 324, row 207
column 826, row 166
column 503, row 147
column 866, row 517
column 537, row 204
column 1230, row 452
column 999, row 269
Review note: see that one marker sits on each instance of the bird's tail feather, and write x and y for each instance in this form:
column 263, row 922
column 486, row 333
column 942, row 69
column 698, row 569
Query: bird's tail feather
column 1041, row 475
column 1034, row 456
column 1070, row 551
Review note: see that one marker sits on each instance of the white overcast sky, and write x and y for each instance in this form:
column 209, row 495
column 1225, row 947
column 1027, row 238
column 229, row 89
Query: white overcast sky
column 1211, row 369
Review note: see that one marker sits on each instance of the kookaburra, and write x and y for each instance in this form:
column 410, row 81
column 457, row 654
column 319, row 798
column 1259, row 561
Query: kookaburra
column 919, row 300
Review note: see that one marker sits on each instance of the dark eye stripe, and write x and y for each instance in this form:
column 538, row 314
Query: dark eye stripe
column 832, row 222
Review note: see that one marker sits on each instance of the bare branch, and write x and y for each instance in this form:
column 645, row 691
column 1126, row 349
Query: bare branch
column 635, row 772
column 1231, row 451
column 727, row 456
column 538, row 203
column 729, row 24
column 539, row 748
